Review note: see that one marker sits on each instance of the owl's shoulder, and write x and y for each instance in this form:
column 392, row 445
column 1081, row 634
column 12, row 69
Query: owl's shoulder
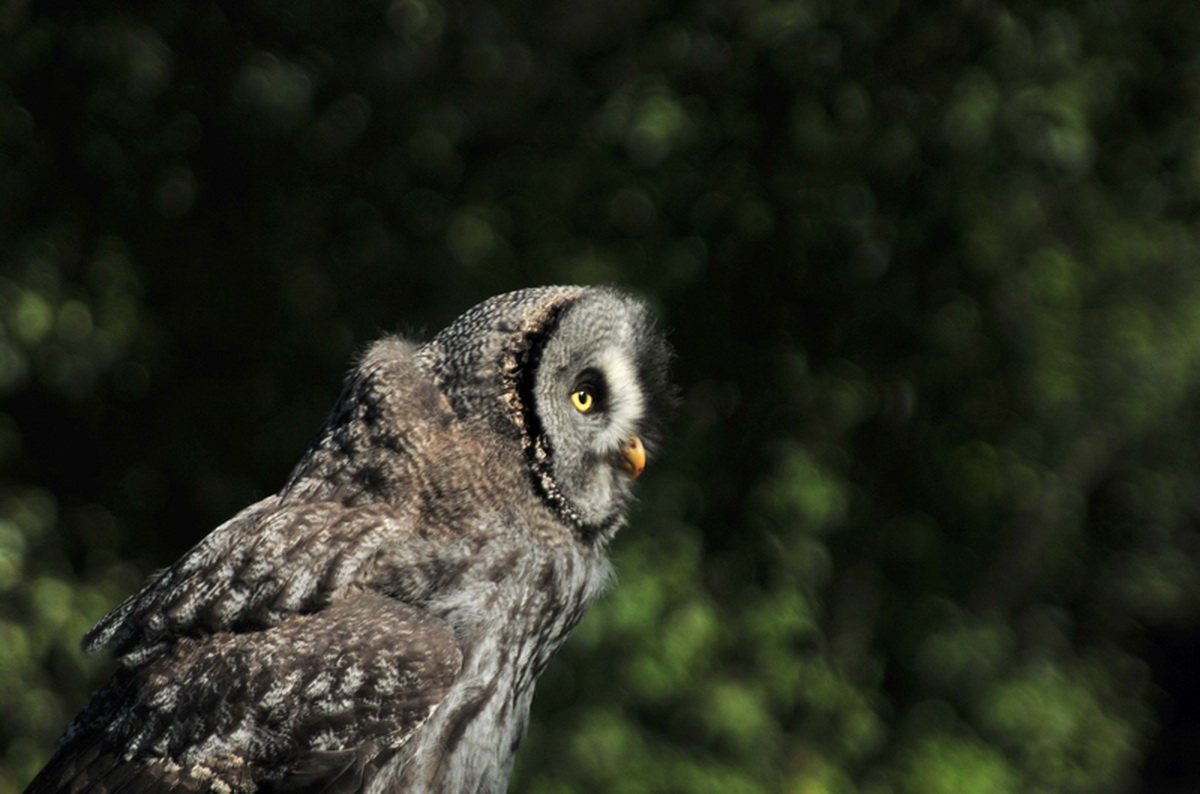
column 400, row 376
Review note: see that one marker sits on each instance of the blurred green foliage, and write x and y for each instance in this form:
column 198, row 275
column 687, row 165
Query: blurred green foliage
column 928, row 522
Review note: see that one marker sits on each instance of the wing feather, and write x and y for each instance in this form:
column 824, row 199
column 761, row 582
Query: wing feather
column 268, row 562
column 314, row 703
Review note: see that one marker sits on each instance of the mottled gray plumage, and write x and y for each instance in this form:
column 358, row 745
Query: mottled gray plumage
column 379, row 624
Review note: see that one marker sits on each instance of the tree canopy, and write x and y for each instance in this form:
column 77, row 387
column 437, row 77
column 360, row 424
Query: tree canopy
column 928, row 521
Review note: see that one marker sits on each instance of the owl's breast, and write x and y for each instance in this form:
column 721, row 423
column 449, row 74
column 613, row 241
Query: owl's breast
column 511, row 611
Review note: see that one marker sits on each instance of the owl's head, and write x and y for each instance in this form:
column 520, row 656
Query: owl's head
column 579, row 376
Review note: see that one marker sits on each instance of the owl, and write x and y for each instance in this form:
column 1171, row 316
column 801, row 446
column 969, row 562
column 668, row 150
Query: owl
column 379, row 623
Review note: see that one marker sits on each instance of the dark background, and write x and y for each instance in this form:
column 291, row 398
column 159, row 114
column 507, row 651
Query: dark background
column 928, row 521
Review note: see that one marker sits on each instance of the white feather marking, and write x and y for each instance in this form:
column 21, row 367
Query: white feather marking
column 625, row 401
column 352, row 680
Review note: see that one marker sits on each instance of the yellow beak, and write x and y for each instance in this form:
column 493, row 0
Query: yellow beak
column 633, row 457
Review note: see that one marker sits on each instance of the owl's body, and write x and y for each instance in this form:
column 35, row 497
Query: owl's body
column 379, row 624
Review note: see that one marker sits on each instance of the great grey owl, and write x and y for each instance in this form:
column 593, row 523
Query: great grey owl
column 379, row 624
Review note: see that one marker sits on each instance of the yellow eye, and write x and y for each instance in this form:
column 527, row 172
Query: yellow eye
column 583, row 400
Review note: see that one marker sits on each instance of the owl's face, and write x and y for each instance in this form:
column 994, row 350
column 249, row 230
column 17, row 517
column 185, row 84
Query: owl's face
column 593, row 388
column 580, row 376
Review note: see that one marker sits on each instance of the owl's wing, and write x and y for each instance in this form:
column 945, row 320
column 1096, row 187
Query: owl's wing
column 270, row 561
column 314, row 703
